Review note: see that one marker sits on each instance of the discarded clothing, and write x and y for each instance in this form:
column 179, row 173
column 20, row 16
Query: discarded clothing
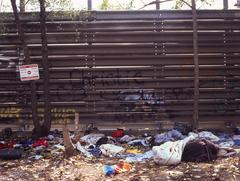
column 236, row 139
column 126, row 138
column 10, row 144
column 118, row 133
column 200, row 151
column 169, row 136
column 91, row 138
column 111, row 150
column 40, row 142
column 140, row 142
column 170, row 153
column 140, row 157
column 105, row 140
column 95, row 151
column 124, row 155
column 208, row 136
column 83, row 150
column 102, row 141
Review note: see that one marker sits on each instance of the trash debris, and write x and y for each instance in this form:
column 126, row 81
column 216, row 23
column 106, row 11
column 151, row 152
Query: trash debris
column 95, row 151
column 140, row 157
column 40, row 142
column 83, row 150
column 140, row 142
column 111, row 150
column 209, row 136
column 134, row 151
column 169, row 136
column 236, row 139
column 200, row 150
column 116, row 169
column 126, row 138
column 172, row 148
column 170, row 153
column 118, row 133
column 92, row 138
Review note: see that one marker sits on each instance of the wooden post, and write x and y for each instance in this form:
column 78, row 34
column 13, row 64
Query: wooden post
column 47, row 107
column 196, row 67
column 27, row 61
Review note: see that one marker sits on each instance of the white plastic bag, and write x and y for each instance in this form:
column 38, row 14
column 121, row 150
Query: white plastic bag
column 170, row 153
column 111, row 150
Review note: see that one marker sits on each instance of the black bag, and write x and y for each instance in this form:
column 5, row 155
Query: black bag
column 10, row 154
column 200, row 151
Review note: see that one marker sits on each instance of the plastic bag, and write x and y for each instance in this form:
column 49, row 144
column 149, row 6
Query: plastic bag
column 170, row 153
column 111, row 150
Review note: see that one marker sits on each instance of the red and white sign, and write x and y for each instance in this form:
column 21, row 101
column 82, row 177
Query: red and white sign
column 29, row 72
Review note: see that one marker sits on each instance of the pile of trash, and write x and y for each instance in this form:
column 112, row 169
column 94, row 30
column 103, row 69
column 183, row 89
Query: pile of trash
column 168, row 148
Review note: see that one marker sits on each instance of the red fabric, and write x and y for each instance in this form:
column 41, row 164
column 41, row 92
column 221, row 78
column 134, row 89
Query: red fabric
column 7, row 145
column 40, row 142
column 117, row 133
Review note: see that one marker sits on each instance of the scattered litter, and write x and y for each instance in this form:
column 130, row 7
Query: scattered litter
column 200, row 150
column 170, row 153
column 140, row 157
column 116, row 169
column 111, row 150
column 91, row 138
column 118, row 133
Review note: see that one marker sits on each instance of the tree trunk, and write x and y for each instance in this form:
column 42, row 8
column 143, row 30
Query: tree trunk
column 27, row 60
column 22, row 6
column 69, row 148
column 47, row 108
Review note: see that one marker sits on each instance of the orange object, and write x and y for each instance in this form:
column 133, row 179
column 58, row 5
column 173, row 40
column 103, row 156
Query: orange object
column 122, row 167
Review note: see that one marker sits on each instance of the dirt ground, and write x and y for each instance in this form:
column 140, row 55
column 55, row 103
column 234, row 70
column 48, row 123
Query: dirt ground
column 79, row 168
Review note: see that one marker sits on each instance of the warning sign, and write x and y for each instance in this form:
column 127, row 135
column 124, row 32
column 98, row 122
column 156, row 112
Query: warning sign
column 29, row 72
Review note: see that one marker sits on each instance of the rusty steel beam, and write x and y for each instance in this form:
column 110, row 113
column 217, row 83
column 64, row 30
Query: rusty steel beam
column 119, row 26
column 129, row 15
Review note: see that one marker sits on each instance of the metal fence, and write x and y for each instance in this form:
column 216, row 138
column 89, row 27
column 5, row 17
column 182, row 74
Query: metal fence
column 134, row 66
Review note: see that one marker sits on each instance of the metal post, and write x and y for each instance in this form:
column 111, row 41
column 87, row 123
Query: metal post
column 225, row 4
column 157, row 5
column 47, row 107
column 27, row 61
column 89, row 5
column 196, row 67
